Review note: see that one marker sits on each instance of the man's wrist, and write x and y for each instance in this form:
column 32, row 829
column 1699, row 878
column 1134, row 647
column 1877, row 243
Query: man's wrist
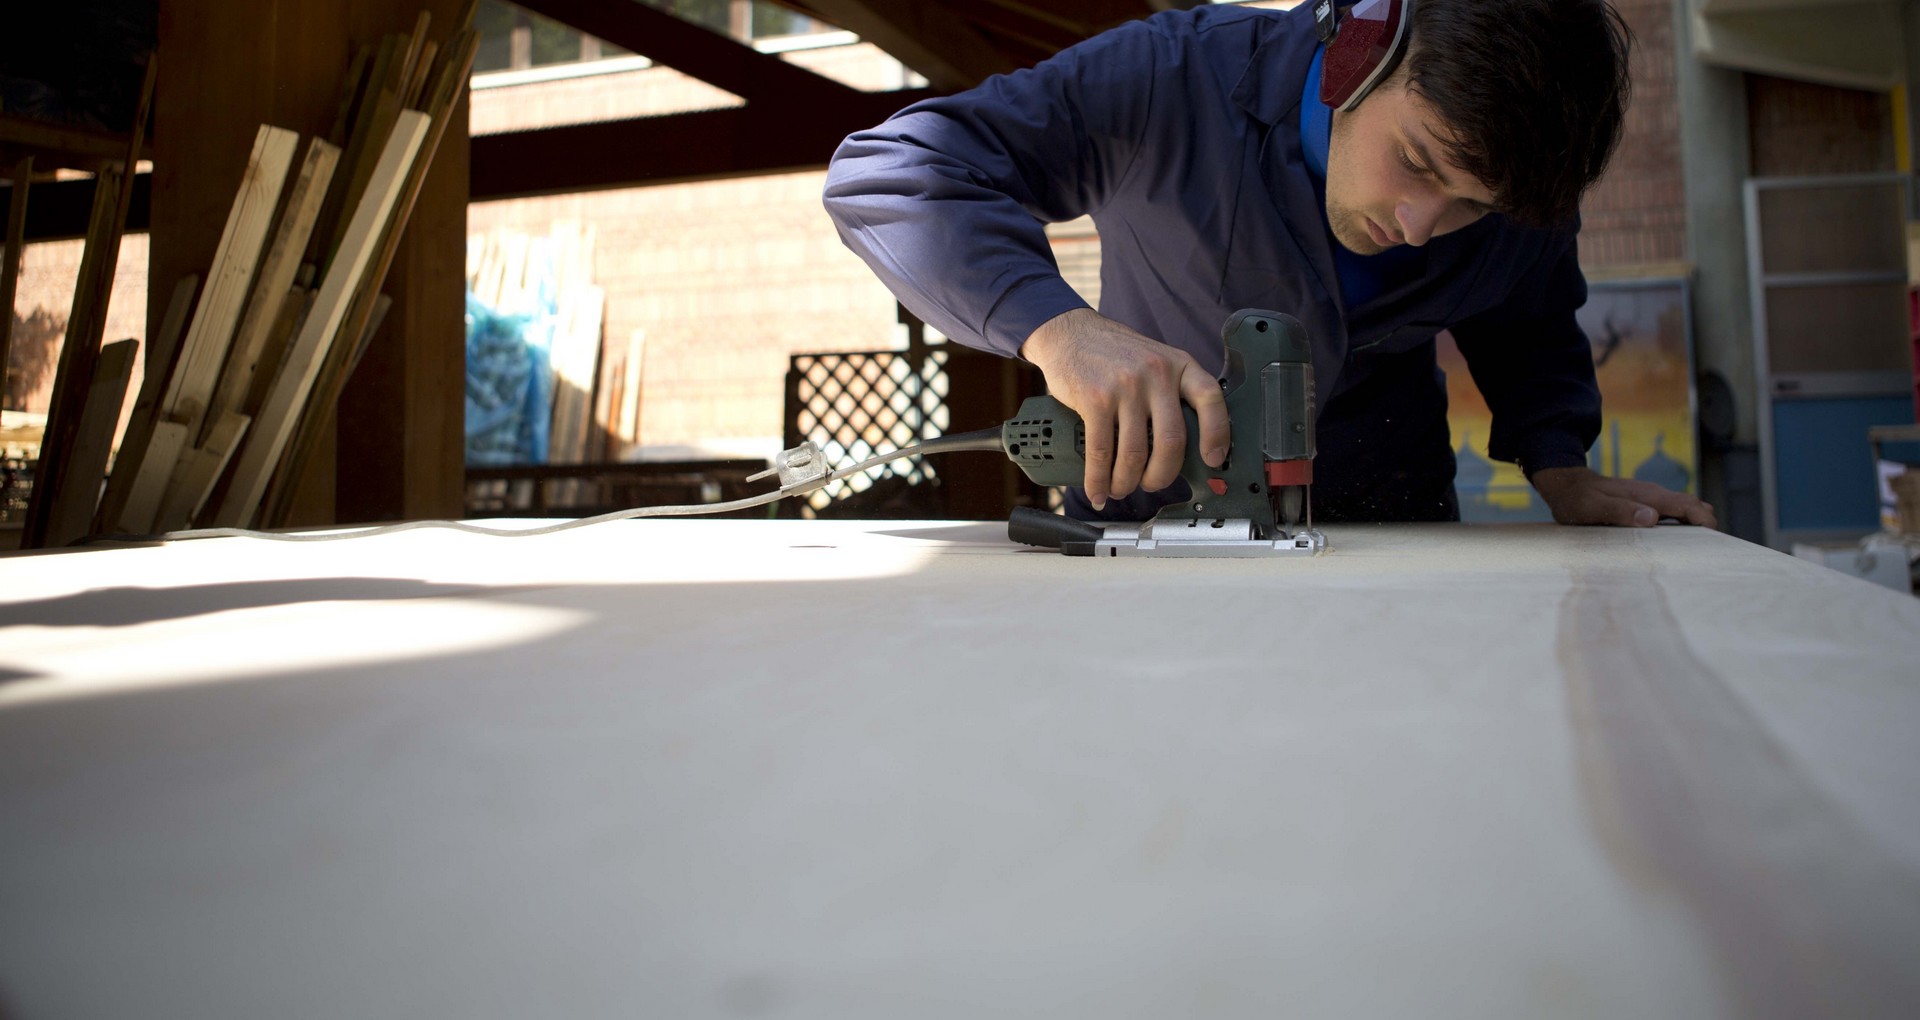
column 1552, row 482
column 1040, row 345
column 1550, row 457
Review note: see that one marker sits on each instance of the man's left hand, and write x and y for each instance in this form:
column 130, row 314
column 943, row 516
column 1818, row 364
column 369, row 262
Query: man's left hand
column 1577, row 495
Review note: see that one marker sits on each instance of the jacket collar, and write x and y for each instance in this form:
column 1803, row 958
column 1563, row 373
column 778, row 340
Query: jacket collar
column 1270, row 89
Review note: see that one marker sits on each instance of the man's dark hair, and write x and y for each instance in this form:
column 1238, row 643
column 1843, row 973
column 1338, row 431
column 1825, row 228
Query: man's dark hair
column 1532, row 93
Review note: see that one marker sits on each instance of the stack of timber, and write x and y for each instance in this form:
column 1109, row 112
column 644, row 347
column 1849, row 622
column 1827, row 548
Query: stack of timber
column 548, row 280
column 244, row 374
column 616, row 405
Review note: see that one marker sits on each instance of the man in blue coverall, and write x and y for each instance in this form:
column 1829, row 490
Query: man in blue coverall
column 1223, row 170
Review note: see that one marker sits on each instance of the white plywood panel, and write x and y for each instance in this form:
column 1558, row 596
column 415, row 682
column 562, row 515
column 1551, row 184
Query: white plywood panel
column 710, row 768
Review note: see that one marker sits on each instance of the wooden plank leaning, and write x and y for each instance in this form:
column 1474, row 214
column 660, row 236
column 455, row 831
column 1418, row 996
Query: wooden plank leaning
column 368, row 127
column 161, row 350
column 196, row 472
column 275, row 282
column 79, row 492
column 230, row 277
column 267, row 439
column 73, row 372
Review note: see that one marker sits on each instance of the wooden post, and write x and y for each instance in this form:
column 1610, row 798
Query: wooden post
column 21, row 173
column 204, row 121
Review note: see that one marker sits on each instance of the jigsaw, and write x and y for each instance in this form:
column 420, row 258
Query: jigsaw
column 1257, row 503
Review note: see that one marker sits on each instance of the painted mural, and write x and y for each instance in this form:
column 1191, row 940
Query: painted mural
column 1643, row 356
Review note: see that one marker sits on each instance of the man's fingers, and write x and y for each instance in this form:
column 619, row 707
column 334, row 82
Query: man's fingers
column 1099, row 457
column 1131, row 457
column 1681, row 506
column 1202, row 392
column 1599, row 508
column 1627, row 513
column 1169, row 442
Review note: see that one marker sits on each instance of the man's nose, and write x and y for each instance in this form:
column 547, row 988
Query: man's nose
column 1418, row 218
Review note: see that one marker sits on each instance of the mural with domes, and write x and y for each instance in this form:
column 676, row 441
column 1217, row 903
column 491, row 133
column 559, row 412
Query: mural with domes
column 1643, row 357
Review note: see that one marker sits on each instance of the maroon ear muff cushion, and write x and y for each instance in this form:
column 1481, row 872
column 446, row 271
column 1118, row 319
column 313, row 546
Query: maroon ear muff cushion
column 1365, row 49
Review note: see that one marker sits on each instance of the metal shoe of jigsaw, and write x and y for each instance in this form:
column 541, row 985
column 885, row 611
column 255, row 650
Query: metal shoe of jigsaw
column 1257, row 503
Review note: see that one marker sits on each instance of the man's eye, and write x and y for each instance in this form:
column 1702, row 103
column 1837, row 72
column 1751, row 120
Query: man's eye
column 1407, row 161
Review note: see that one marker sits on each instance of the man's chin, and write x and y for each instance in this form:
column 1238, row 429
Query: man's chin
column 1359, row 244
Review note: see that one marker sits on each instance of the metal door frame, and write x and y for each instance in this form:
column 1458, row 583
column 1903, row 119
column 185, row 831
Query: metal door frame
column 1770, row 387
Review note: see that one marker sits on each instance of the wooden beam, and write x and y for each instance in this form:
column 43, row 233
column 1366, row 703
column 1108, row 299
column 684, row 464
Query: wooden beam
column 64, row 146
column 61, row 209
column 736, row 142
column 706, row 55
column 949, row 51
column 1043, row 36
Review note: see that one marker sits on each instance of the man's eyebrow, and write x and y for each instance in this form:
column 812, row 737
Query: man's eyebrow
column 1427, row 160
column 1434, row 167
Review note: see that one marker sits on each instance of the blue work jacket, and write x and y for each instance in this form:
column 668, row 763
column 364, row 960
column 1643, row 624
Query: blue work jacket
column 1179, row 135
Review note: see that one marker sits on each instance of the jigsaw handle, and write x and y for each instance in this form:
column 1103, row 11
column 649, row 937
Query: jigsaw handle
column 1268, row 384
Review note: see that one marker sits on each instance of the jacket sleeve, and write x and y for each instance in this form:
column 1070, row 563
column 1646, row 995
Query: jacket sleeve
column 945, row 200
column 1533, row 363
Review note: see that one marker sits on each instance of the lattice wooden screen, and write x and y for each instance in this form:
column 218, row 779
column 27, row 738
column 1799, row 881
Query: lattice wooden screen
column 859, row 404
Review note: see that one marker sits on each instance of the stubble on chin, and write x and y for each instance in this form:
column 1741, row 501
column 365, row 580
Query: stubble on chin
column 1350, row 233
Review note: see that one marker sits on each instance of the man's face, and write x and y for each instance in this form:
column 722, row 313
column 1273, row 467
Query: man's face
column 1388, row 182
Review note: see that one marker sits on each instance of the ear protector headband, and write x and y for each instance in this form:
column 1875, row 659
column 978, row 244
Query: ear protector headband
column 1363, row 47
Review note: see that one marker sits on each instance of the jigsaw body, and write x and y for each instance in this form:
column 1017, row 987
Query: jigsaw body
column 1257, row 503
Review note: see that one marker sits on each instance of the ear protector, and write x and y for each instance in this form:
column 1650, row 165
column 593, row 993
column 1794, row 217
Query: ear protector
column 1363, row 47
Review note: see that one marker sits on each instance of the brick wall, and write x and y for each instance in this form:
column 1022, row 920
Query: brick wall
column 726, row 279
column 45, row 299
column 1799, row 128
column 1636, row 215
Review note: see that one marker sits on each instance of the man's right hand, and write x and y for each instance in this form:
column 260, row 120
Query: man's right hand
column 1128, row 388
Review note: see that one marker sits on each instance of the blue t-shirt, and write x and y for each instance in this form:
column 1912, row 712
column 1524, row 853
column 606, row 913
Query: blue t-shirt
column 1362, row 277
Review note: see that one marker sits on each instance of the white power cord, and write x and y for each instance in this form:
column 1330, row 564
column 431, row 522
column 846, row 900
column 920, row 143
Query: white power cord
column 802, row 469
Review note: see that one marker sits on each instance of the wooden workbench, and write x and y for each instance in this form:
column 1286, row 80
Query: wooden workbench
column 715, row 768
